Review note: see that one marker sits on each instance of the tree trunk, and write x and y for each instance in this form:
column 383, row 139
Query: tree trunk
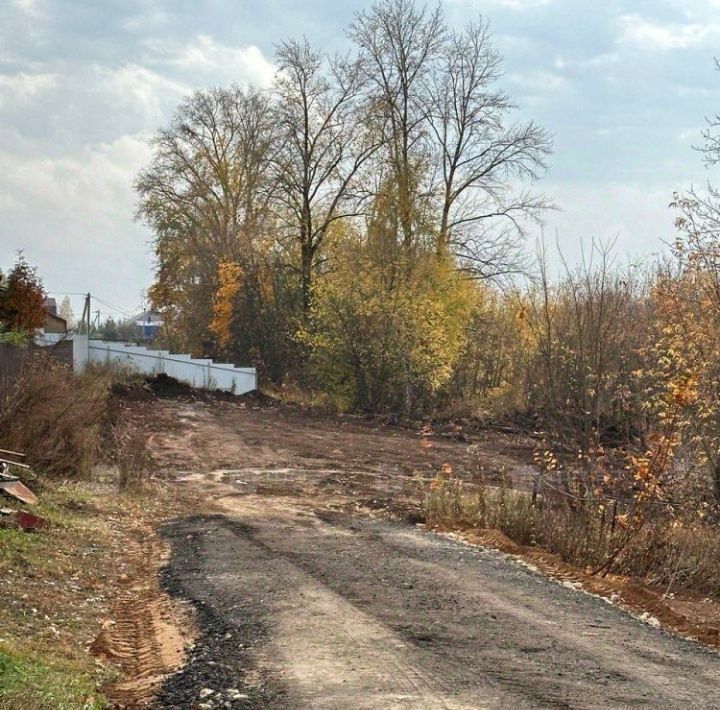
column 442, row 240
column 306, row 276
column 716, row 481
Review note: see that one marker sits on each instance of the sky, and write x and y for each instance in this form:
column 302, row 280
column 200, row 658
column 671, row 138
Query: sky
column 623, row 86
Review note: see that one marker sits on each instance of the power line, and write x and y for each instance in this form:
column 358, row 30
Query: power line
column 107, row 304
column 118, row 309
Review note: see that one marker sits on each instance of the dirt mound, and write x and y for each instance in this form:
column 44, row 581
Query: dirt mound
column 257, row 398
column 137, row 391
column 152, row 386
column 253, row 398
column 162, row 385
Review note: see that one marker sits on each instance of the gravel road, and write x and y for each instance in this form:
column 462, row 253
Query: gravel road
column 308, row 608
column 308, row 594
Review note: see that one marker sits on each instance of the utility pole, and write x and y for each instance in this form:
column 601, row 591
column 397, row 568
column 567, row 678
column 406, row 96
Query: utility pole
column 85, row 317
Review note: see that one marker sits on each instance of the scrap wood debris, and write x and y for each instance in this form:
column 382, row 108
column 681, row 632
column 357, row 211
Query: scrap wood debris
column 14, row 488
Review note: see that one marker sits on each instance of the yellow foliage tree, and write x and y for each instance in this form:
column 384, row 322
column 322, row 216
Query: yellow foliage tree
column 387, row 333
column 229, row 280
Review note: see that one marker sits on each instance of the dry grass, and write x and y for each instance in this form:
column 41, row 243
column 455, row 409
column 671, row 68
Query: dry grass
column 125, row 446
column 57, row 585
column 66, row 423
column 666, row 552
column 295, row 395
column 54, row 416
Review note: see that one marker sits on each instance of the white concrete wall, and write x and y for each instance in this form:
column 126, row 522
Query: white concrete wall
column 81, row 352
column 43, row 338
column 196, row 372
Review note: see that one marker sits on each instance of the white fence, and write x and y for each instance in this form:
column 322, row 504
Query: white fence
column 203, row 373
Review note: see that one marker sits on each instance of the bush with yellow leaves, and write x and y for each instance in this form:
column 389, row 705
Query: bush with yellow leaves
column 386, row 334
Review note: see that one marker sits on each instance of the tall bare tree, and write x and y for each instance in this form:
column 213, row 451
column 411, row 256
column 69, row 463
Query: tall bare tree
column 480, row 156
column 323, row 144
column 399, row 44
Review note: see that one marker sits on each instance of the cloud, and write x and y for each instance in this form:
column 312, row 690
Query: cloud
column 23, row 24
column 64, row 106
column 76, row 210
column 31, row 8
column 149, row 17
column 504, row 4
column 80, row 187
column 519, row 4
column 97, row 102
column 23, row 87
column 207, row 59
column 598, row 61
column 538, row 80
column 74, row 134
column 138, row 91
column 693, row 134
column 535, row 90
column 649, row 35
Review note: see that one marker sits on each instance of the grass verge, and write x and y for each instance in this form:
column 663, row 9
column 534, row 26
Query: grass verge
column 58, row 587
column 28, row 682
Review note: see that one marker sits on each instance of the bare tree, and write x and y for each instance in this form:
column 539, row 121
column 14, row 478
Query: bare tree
column 711, row 148
column 323, row 145
column 399, row 44
column 589, row 328
column 482, row 212
column 66, row 312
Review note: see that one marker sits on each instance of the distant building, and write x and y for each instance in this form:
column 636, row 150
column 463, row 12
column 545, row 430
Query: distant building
column 53, row 322
column 148, row 325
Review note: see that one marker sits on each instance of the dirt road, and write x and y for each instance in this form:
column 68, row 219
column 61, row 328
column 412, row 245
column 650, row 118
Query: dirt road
column 303, row 602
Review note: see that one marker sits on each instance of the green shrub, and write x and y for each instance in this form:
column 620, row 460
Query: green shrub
column 16, row 338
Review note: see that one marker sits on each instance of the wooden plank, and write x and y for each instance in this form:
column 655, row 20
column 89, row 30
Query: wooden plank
column 12, row 453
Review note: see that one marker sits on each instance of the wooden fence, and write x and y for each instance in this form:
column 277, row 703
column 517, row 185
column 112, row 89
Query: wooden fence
column 13, row 358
